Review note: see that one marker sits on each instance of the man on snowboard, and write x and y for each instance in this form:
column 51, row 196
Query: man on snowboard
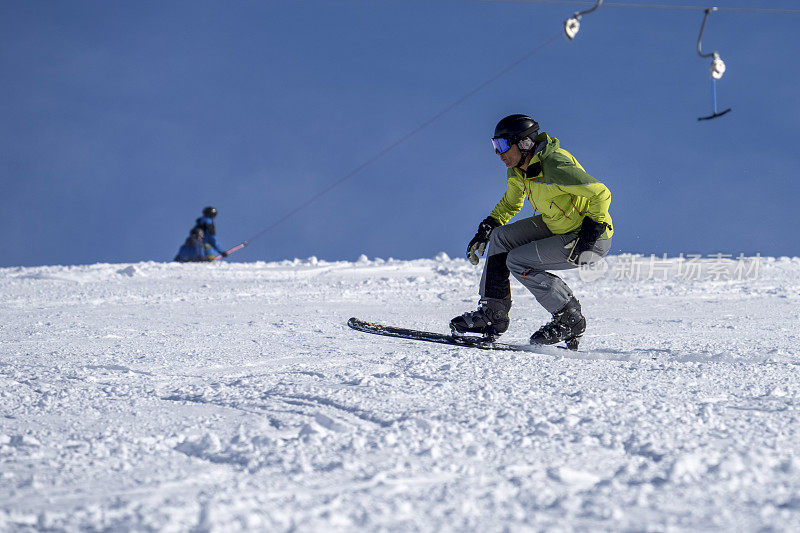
column 574, row 228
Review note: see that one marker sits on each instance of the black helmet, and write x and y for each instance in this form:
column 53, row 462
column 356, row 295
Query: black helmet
column 209, row 212
column 514, row 128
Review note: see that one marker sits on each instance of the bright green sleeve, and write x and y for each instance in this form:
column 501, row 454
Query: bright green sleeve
column 512, row 201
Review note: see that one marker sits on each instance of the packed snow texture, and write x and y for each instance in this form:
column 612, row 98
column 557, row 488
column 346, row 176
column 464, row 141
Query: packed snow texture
column 231, row 397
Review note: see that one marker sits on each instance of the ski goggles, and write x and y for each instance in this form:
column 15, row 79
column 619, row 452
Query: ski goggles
column 501, row 146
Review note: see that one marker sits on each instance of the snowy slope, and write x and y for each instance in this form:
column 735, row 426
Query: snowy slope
column 233, row 396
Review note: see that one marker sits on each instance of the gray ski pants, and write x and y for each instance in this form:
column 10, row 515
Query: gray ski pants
column 527, row 249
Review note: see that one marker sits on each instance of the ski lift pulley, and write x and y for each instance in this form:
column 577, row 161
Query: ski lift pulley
column 717, row 67
column 572, row 25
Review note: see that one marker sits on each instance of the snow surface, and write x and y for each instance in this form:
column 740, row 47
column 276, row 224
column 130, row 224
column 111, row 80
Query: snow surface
column 233, row 396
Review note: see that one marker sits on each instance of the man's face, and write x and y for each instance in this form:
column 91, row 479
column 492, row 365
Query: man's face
column 511, row 157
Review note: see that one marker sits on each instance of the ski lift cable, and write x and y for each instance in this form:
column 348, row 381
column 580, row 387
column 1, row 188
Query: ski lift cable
column 759, row 10
column 499, row 74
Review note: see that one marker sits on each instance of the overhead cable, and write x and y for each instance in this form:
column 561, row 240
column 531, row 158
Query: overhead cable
column 760, row 10
column 499, row 74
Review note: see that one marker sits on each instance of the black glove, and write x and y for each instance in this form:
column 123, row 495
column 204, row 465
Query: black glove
column 224, row 254
column 481, row 239
column 587, row 237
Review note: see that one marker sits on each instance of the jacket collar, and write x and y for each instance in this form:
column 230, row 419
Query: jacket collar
column 545, row 145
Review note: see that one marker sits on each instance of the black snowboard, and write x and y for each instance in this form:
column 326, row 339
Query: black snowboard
column 471, row 342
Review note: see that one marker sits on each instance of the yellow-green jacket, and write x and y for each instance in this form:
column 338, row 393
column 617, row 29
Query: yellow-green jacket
column 557, row 187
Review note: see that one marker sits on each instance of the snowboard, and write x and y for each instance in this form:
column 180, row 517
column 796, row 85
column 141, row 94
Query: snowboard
column 429, row 336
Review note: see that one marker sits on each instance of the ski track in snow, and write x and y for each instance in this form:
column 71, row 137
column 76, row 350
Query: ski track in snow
column 234, row 397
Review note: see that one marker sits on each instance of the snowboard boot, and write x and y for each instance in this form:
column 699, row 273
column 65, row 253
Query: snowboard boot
column 490, row 320
column 568, row 325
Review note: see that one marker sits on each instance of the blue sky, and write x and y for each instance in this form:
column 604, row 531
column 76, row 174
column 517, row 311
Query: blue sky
column 121, row 120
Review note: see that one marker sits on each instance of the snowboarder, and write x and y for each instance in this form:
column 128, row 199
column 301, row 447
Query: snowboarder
column 193, row 249
column 206, row 223
column 574, row 228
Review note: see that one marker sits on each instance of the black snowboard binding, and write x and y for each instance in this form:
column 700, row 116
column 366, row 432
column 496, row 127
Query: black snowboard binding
column 490, row 320
column 567, row 325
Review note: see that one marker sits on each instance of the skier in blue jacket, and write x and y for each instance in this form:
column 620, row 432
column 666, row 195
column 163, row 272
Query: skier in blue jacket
column 193, row 249
column 206, row 223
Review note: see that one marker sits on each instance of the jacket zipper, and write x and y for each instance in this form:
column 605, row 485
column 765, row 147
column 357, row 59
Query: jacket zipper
column 528, row 188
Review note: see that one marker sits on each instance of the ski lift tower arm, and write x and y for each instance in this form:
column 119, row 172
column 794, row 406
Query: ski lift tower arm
column 708, row 11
